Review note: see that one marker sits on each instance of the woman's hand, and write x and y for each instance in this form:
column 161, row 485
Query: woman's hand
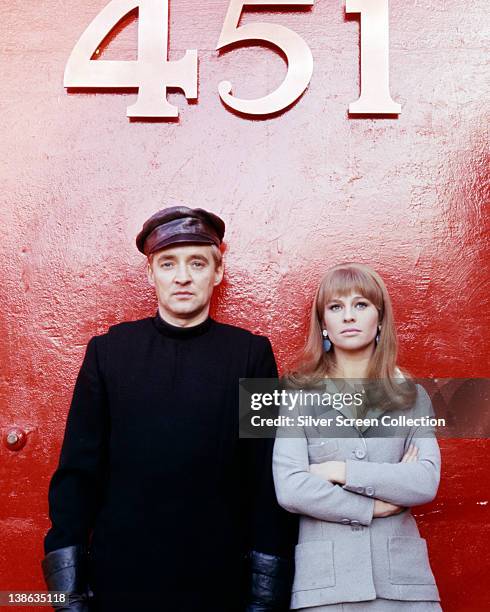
column 333, row 471
column 383, row 509
column 411, row 455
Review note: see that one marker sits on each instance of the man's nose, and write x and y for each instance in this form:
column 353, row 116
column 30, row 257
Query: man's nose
column 182, row 274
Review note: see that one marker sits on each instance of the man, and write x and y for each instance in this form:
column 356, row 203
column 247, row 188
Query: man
column 151, row 466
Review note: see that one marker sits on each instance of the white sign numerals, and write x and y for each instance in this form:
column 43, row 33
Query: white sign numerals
column 152, row 73
column 375, row 95
column 297, row 52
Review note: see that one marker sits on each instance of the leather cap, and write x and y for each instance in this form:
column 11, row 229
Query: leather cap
column 179, row 224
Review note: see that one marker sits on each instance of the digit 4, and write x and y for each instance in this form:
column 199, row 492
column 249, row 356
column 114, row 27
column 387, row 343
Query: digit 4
column 152, row 73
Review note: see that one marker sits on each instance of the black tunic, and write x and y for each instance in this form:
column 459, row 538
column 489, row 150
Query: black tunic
column 152, row 473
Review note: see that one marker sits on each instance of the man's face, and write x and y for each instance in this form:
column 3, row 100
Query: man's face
column 184, row 277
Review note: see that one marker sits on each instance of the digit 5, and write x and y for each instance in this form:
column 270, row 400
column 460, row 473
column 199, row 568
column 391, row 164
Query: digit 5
column 297, row 52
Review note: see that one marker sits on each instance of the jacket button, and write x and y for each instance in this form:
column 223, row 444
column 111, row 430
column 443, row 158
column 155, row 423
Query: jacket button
column 370, row 491
column 360, row 453
column 354, row 522
column 345, row 521
column 360, row 490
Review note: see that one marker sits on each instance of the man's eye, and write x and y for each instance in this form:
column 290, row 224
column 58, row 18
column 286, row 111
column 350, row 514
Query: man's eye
column 198, row 264
column 166, row 264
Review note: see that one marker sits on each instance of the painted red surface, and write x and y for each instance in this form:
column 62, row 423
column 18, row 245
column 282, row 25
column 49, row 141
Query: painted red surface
column 299, row 192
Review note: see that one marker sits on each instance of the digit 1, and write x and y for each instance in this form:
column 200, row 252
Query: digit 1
column 375, row 95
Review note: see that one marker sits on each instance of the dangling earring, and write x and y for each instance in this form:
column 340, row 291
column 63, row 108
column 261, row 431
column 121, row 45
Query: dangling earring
column 327, row 345
column 377, row 335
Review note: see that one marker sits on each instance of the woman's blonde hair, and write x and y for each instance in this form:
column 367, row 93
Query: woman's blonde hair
column 314, row 363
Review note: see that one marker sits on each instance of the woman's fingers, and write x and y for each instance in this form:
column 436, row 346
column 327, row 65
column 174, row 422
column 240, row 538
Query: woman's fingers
column 413, row 456
column 415, row 453
column 382, row 509
column 410, row 455
column 407, row 454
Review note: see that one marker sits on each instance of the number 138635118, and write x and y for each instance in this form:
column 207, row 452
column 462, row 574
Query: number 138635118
column 152, row 72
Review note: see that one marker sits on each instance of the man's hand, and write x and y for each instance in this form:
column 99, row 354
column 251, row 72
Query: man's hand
column 270, row 582
column 334, row 471
column 65, row 569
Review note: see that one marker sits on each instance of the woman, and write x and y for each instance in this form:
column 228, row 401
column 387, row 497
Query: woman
column 359, row 547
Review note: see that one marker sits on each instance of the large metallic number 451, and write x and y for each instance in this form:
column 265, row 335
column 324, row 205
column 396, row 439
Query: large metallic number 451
column 152, row 73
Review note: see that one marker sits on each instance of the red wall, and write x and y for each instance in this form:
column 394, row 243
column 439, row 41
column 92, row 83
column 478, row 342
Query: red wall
column 299, row 192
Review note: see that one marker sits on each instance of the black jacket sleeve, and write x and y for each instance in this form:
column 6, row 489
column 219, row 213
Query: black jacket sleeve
column 273, row 530
column 75, row 488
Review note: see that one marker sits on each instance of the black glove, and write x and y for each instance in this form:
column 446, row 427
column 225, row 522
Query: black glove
column 270, row 583
column 65, row 569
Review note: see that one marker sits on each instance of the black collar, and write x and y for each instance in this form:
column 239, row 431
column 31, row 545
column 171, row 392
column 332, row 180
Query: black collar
column 174, row 331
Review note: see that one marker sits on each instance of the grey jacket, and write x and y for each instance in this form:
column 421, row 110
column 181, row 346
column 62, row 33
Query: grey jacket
column 343, row 553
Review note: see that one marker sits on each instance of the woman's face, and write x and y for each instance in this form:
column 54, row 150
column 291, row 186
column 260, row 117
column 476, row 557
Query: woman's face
column 351, row 321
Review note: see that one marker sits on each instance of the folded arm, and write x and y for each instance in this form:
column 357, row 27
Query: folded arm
column 302, row 492
column 404, row 484
column 273, row 532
